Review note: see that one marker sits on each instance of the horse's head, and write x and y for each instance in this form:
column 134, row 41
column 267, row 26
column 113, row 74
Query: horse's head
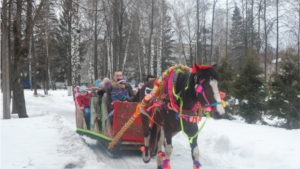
column 206, row 88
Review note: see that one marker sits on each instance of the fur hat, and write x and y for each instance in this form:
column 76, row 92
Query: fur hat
column 83, row 89
column 104, row 82
column 121, row 81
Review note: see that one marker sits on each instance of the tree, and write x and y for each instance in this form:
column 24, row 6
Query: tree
column 227, row 76
column 236, row 39
column 167, row 34
column 21, row 44
column 212, row 31
column 5, row 61
column 284, row 100
column 46, row 45
column 250, row 91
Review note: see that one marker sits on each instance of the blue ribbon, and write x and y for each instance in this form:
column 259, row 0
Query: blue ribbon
column 214, row 104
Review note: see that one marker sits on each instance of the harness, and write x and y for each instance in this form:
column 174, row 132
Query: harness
column 165, row 86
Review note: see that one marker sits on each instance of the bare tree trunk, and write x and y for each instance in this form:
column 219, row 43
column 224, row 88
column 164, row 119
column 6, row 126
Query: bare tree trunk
column 150, row 48
column 69, row 70
column 115, row 34
column 198, row 55
column 252, row 24
column 48, row 63
column 204, row 40
column 140, row 68
column 95, row 44
column 226, row 38
column 258, row 29
column 299, row 38
column 212, row 31
column 33, row 64
column 246, row 29
column 10, row 43
column 5, row 62
column 127, row 47
column 277, row 36
column 75, row 46
column 266, row 38
column 120, row 28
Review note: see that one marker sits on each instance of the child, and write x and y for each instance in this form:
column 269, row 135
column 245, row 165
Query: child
column 83, row 100
column 118, row 93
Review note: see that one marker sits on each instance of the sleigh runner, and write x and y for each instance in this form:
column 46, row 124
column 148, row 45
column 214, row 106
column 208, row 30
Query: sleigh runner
column 113, row 134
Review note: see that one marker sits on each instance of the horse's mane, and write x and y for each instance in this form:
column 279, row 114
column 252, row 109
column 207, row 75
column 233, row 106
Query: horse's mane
column 208, row 73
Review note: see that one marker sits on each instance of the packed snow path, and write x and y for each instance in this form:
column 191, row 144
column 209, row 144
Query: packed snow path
column 47, row 139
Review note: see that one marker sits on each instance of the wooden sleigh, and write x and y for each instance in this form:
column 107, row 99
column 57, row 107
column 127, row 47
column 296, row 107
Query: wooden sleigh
column 122, row 132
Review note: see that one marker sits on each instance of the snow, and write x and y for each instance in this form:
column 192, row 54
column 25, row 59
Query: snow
column 47, row 139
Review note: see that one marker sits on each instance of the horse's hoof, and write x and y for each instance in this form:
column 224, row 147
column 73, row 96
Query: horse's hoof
column 145, row 154
column 146, row 161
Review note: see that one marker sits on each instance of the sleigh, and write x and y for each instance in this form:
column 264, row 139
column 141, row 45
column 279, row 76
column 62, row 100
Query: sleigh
column 121, row 132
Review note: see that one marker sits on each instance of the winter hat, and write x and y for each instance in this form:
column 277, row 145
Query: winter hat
column 120, row 81
column 83, row 89
column 135, row 89
column 106, row 80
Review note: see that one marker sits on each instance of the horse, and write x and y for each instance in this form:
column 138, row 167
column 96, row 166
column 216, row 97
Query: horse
column 195, row 89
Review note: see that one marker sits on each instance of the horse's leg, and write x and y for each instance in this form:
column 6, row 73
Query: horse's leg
column 146, row 129
column 160, row 143
column 165, row 157
column 194, row 147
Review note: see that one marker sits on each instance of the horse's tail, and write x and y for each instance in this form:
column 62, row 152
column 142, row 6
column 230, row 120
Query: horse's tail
column 154, row 136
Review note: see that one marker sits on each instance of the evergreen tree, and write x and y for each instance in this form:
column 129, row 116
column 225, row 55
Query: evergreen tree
column 64, row 36
column 253, row 40
column 250, row 92
column 236, row 39
column 227, row 74
column 284, row 101
column 166, row 59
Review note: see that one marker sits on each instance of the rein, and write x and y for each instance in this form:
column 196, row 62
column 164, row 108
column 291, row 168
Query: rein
column 165, row 85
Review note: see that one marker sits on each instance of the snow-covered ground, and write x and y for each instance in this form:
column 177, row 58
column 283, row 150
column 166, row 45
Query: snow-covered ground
column 47, row 140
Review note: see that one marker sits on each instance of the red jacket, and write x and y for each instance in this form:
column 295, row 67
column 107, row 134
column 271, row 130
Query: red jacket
column 84, row 100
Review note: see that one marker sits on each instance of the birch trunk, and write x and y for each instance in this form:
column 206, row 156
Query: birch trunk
column 140, row 68
column 152, row 59
column 160, row 46
column 95, row 43
column 48, row 63
column 266, row 38
column 198, row 56
column 75, row 47
column 5, row 63
column 69, row 71
column 212, row 32
column 277, row 36
column 126, row 48
column 150, row 48
column 226, row 40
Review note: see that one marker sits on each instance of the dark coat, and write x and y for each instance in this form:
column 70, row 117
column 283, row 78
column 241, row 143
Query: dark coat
column 128, row 88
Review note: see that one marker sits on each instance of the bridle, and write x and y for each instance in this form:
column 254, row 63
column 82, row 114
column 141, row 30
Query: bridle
column 200, row 90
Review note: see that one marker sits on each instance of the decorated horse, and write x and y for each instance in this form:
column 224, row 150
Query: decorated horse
column 176, row 102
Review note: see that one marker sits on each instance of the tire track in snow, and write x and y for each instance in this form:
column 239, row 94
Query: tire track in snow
column 128, row 159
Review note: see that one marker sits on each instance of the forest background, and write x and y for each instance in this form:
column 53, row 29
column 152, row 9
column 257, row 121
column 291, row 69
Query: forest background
column 254, row 42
